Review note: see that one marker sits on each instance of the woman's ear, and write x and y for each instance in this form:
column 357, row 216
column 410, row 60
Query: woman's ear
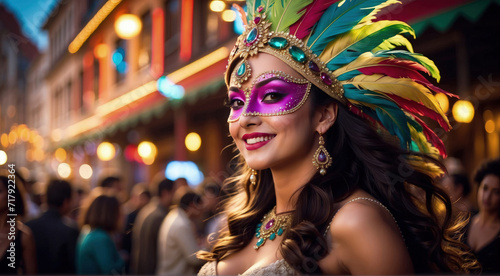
column 327, row 116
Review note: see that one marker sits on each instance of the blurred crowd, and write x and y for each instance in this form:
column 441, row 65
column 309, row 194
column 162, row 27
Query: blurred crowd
column 154, row 229
column 157, row 227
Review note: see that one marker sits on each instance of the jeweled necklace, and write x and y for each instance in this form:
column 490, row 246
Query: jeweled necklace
column 272, row 225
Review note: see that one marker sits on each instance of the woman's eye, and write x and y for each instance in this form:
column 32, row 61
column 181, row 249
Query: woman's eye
column 236, row 104
column 272, row 97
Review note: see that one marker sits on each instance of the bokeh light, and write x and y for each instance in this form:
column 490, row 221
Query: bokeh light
column 193, row 141
column 106, row 151
column 229, row 15
column 60, row 154
column 489, row 126
column 217, row 5
column 463, row 111
column 85, row 171
column 185, row 169
column 128, row 26
column 64, row 170
column 3, row 157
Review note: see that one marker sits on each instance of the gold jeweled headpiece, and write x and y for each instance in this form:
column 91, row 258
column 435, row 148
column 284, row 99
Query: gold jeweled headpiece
column 337, row 47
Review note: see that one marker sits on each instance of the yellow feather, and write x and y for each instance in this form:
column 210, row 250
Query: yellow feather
column 425, row 167
column 338, row 45
column 402, row 87
column 391, row 43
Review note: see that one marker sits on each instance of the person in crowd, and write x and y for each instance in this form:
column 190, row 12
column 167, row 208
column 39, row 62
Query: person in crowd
column 181, row 182
column 333, row 153
column 140, row 197
column 55, row 234
column 111, row 182
column 96, row 251
column 177, row 238
column 483, row 235
column 146, row 228
column 213, row 217
column 17, row 245
column 457, row 186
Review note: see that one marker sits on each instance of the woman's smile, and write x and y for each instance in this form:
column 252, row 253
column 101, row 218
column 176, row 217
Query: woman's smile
column 256, row 140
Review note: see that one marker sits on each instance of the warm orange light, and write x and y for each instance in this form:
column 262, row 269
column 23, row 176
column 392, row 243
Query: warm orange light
column 146, row 150
column 12, row 137
column 85, row 33
column 128, row 26
column 463, row 111
column 4, row 140
column 101, row 51
column 489, row 126
column 186, row 30
column 60, row 154
column 193, row 141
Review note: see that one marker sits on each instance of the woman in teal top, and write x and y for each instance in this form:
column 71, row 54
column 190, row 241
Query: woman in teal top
column 96, row 252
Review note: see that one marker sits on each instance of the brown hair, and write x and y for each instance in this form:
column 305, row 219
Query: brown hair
column 102, row 211
column 366, row 161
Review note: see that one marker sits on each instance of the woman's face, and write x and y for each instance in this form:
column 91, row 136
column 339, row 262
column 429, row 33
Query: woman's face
column 283, row 128
column 488, row 195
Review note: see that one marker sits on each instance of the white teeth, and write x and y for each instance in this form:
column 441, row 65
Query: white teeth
column 255, row 140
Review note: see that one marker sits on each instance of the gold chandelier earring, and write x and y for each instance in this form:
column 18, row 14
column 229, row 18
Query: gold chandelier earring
column 322, row 159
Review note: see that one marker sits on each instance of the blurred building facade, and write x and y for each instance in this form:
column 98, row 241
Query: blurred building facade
column 94, row 86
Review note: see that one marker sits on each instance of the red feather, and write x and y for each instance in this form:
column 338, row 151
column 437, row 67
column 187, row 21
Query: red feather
column 420, row 109
column 313, row 13
column 361, row 114
column 404, row 69
column 432, row 137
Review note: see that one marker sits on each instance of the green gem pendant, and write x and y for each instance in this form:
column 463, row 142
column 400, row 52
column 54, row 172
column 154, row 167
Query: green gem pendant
column 241, row 70
column 271, row 227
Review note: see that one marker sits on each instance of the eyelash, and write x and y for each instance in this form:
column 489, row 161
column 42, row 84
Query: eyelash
column 277, row 94
column 230, row 103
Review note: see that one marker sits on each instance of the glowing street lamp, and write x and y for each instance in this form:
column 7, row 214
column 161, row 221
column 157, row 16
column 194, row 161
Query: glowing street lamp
column 128, row 26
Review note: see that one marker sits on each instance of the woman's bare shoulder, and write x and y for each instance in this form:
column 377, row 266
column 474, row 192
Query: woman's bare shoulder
column 366, row 239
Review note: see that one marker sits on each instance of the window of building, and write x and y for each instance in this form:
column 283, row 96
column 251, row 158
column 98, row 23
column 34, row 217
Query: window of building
column 96, row 70
column 144, row 57
column 172, row 28
column 120, row 59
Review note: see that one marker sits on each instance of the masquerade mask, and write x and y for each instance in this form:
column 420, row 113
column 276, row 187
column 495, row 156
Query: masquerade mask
column 272, row 93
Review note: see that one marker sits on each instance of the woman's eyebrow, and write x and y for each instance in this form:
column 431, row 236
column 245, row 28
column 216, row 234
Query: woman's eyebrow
column 234, row 89
column 266, row 81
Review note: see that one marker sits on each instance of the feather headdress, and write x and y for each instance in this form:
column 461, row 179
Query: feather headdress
column 337, row 46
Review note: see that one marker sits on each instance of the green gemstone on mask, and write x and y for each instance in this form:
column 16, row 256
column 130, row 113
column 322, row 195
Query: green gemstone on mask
column 252, row 36
column 260, row 242
column 273, row 236
column 278, row 43
column 280, row 231
column 241, row 70
column 297, row 54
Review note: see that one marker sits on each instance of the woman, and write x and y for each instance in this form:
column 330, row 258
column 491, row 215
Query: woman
column 325, row 116
column 17, row 248
column 484, row 228
column 96, row 252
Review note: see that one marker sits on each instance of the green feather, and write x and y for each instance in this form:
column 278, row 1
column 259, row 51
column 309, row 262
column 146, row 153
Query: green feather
column 252, row 6
column 285, row 13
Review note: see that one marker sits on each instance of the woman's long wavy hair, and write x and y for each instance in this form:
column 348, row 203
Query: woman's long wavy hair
column 361, row 159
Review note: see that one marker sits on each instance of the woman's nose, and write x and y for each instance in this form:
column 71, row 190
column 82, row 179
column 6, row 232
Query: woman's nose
column 249, row 120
